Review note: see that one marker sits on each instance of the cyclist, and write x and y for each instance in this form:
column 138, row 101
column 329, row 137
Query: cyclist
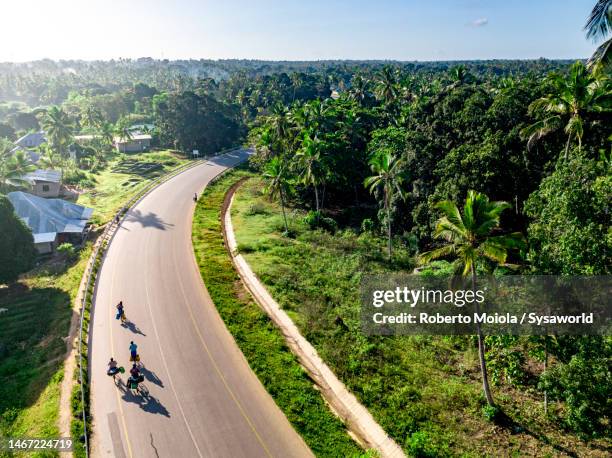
column 135, row 371
column 113, row 370
column 195, row 197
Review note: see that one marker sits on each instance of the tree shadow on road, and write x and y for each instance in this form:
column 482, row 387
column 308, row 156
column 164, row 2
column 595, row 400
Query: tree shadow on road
column 147, row 220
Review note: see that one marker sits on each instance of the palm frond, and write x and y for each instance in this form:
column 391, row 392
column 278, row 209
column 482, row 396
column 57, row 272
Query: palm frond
column 436, row 253
column 599, row 22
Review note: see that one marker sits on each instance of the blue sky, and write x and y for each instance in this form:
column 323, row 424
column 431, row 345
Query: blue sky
column 294, row 30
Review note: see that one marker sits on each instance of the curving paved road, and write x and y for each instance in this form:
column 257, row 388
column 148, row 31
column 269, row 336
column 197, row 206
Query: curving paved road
column 204, row 399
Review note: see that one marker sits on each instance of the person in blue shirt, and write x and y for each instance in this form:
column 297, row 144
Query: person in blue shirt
column 133, row 351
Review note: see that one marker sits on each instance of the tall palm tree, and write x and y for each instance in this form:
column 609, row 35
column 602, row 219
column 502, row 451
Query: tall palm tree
column 309, row 158
column 278, row 183
column 469, row 240
column 359, row 91
column 598, row 27
column 59, row 128
column 386, row 88
column 387, row 176
column 571, row 98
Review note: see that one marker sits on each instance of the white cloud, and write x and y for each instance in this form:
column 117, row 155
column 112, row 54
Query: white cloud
column 480, row 22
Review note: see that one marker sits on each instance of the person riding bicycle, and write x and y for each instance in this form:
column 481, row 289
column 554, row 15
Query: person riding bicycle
column 112, row 367
column 135, row 371
column 133, row 352
column 195, row 197
column 132, row 382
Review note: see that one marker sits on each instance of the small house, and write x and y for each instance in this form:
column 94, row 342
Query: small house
column 136, row 144
column 32, row 140
column 44, row 183
column 52, row 221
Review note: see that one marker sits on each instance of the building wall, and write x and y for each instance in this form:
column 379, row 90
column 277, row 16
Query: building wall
column 134, row 146
column 46, row 189
column 44, row 247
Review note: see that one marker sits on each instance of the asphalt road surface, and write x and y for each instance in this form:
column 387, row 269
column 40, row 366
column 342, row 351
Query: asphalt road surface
column 204, row 400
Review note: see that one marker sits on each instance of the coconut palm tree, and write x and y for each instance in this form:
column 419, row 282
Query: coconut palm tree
column 278, row 183
column 13, row 169
column 469, row 240
column 571, row 98
column 386, row 88
column 59, row 128
column 386, row 169
column 598, row 27
column 309, row 159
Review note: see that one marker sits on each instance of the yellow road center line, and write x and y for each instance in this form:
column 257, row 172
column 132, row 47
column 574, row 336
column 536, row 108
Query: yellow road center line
column 212, row 359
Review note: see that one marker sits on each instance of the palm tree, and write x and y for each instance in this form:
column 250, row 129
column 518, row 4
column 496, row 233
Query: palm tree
column 123, row 129
column 59, row 128
column 571, row 98
column 309, row 158
column 387, row 176
column 359, row 90
column 469, row 240
column 598, row 27
column 278, row 184
column 13, row 169
column 92, row 117
column 386, row 88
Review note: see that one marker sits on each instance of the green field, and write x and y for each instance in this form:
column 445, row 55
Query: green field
column 32, row 346
column 262, row 344
column 424, row 391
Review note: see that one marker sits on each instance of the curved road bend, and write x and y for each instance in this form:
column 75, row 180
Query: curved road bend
column 204, row 399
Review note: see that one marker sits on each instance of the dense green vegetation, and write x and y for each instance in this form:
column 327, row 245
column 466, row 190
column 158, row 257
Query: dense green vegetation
column 262, row 344
column 17, row 252
column 425, row 391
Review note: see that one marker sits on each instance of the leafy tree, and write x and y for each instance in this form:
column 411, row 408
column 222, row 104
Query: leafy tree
column 469, row 239
column 386, row 168
column 569, row 231
column 598, row 27
column 571, row 100
column 17, row 251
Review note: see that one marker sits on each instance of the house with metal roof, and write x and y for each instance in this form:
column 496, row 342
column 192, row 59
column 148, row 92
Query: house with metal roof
column 52, row 221
column 135, row 144
column 32, row 140
column 45, row 183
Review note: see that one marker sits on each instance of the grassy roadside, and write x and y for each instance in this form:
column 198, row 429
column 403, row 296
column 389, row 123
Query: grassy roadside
column 424, row 391
column 261, row 343
column 32, row 346
column 38, row 315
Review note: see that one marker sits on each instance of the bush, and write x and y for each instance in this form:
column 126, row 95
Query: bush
column 367, row 225
column 315, row 220
column 256, row 209
column 420, row 444
column 67, row 249
column 491, row 413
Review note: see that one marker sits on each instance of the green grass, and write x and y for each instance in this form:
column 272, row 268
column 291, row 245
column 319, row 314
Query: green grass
column 32, row 347
column 114, row 188
column 424, row 391
column 258, row 338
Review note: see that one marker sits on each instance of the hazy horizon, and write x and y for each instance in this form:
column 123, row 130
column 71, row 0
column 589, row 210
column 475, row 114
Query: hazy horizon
column 272, row 30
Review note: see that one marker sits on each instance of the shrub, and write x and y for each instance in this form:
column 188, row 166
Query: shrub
column 491, row 413
column 367, row 225
column 421, row 445
column 316, row 220
column 67, row 250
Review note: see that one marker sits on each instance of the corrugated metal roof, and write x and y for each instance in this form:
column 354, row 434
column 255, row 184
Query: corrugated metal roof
column 49, row 216
column 52, row 176
column 32, row 140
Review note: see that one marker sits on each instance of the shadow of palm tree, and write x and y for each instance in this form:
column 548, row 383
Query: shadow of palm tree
column 147, row 220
